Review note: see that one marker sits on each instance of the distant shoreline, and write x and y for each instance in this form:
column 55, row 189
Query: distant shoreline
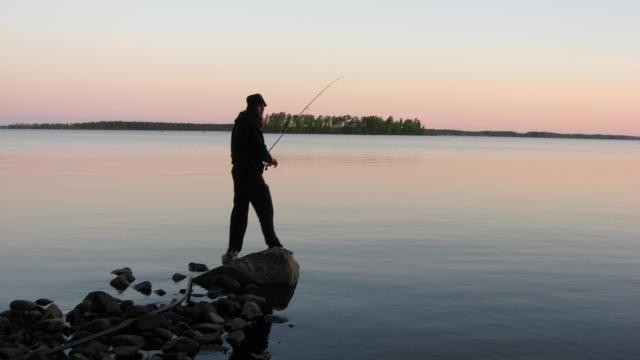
column 162, row 126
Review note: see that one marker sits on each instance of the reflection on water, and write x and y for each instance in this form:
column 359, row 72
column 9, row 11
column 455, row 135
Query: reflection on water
column 412, row 247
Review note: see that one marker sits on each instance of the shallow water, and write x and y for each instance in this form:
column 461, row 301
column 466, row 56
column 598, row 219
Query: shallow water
column 410, row 247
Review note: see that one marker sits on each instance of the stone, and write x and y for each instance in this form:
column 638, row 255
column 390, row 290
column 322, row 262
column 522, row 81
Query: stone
column 160, row 292
column 177, row 277
column 235, row 338
column 125, row 351
column 276, row 319
column 102, row 302
column 229, row 308
column 128, row 340
column 212, row 317
column 215, row 292
column 148, row 322
column 235, row 324
column 120, row 283
column 4, row 323
column 163, row 333
column 195, row 267
column 121, row 271
column 179, row 328
column 143, row 287
column 52, row 312
column 21, row 306
column 209, row 328
column 226, row 282
column 78, row 356
column 208, row 338
column 95, row 326
column 52, row 325
column 275, row 266
column 251, row 310
column 126, row 305
column 176, row 356
column 181, row 344
column 43, row 302
column 255, row 298
column 252, row 289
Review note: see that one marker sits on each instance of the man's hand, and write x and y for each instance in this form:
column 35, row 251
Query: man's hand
column 273, row 163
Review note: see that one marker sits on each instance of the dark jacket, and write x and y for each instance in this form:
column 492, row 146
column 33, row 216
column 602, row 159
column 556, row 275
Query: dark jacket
column 248, row 149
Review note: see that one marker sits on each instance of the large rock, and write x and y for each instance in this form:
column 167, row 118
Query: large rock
column 275, row 266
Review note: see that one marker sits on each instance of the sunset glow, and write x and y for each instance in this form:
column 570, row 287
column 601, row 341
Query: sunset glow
column 568, row 66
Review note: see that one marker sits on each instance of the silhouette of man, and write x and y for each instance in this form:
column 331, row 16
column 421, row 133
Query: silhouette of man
column 250, row 157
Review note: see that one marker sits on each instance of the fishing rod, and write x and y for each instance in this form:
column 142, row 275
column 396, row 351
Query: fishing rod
column 286, row 125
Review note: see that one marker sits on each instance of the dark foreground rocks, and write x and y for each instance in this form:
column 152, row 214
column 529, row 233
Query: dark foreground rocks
column 237, row 317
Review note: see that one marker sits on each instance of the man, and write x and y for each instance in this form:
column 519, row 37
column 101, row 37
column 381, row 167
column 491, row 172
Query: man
column 250, row 157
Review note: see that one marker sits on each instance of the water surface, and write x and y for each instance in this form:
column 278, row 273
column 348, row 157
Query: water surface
column 410, row 247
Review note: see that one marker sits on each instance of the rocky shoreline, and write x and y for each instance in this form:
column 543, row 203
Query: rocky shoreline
column 236, row 317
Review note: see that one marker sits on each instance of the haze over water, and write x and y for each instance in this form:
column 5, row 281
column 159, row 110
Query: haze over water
column 410, row 247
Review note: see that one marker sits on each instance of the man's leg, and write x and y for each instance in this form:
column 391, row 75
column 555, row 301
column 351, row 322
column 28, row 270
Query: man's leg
column 260, row 198
column 239, row 215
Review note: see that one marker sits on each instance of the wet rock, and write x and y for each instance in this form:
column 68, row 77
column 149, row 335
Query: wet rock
column 52, row 312
column 235, row 324
column 78, row 356
column 212, row 317
column 143, row 287
column 120, row 283
column 179, row 328
column 178, row 277
column 10, row 352
column 83, row 306
column 235, row 338
column 52, row 325
column 226, row 282
column 137, row 310
column 255, row 298
column 148, row 322
column 251, row 310
column 181, row 345
column 208, row 338
column 163, row 333
column 253, row 289
column 160, row 292
column 43, row 302
column 95, row 326
column 209, row 328
column 102, row 302
column 121, row 271
column 229, row 308
column 215, row 292
column 276, row 319
column 176, row 356
column 4, row 323
column 182, row 291
column 195, row 267
column 126, row 305
column 33, row 316
column 21, row 306
column 275, row 266
column 126, row 351
column 81, row 334
column 128, row 340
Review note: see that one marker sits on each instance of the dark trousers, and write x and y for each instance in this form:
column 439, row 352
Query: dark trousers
column 249, row 187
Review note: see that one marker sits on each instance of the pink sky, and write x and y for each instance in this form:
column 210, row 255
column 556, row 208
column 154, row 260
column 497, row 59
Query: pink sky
column 522, row 68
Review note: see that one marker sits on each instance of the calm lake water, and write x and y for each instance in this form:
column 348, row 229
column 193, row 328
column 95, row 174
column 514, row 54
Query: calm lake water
column 410, row 247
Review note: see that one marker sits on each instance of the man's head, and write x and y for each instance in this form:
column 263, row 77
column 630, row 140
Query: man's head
column 256, row 102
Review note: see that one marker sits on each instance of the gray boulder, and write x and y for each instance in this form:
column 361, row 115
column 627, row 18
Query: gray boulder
column 143, row 287
column 275, row 266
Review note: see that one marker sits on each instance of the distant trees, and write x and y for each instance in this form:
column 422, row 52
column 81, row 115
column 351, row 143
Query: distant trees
column 345, row 124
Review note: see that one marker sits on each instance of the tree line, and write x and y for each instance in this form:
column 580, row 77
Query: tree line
column 344, row 124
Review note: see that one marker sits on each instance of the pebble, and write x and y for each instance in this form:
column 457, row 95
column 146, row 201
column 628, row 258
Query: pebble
column 143, row 287
column 196, row 267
